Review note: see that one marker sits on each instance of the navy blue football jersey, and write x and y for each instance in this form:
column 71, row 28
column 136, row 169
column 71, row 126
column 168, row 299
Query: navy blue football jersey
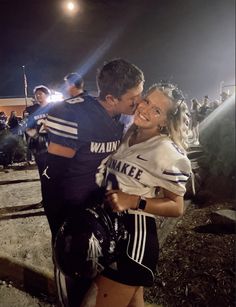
column 36, row 129
column 37, row 116
column 83, row 124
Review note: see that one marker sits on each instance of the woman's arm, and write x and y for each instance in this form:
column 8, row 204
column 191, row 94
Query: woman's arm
column 171, row 205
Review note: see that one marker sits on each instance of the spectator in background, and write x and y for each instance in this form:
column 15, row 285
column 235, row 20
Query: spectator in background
column 3, row 121
column 35, row 128
column 29, row 155
column 204, row 108
column 214, row 105
column 224, row 96
column 74, row 85
column 195, row 120
column 13, row 123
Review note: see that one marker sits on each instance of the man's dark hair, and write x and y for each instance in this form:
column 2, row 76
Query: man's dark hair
column 116, row 77
column 74, row 79
column 42, row 88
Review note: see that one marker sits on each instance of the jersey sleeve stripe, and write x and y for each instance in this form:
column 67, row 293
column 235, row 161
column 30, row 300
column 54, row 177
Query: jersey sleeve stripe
column 175, row 173
column 178, row 180
column 56, row 119
column 175, row 176
column 62, row 128
column 67, row 135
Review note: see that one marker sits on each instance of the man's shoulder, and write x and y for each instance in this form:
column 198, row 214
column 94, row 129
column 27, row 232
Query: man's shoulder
column 80, row 100
column 66, row 111
column 33, row 108
column 74, row 104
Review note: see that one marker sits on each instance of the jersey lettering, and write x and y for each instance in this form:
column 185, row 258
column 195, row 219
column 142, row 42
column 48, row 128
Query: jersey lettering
column 104, row 147
column 125, row 168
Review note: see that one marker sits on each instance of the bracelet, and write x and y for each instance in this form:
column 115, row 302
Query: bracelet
column 141, row 204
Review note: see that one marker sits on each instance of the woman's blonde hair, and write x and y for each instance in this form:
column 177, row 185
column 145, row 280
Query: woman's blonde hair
column 178, row 117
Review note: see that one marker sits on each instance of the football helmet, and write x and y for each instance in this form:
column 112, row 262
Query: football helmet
column 85, row 245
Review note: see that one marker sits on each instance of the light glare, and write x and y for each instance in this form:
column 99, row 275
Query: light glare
column 70, row 6
column 55, row 96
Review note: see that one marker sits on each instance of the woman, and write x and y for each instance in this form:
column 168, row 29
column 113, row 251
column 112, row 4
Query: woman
column 151, row 169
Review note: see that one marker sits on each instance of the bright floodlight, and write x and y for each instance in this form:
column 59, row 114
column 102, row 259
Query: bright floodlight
column 55, row 96
column 70, row 6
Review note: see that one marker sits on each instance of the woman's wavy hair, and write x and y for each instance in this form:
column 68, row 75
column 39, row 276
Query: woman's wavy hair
column 178, row 117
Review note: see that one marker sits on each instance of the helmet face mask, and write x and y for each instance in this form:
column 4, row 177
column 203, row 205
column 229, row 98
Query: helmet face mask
column 85, row 245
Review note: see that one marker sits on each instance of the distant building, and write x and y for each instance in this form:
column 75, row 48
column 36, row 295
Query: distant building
column 14, row 104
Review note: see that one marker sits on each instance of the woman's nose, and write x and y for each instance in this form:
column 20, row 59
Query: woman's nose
column 142, row 107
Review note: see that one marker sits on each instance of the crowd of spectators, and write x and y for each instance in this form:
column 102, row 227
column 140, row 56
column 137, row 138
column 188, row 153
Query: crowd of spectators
column 13, row 145
column 199, row 111
column 13, row 123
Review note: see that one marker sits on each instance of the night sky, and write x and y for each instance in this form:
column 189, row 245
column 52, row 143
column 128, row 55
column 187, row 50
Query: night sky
column 189, row 42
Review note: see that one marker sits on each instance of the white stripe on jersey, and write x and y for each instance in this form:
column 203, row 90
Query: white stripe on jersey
column 175, row 176
column 62, row 121
column 62, row 134
column 62, row 128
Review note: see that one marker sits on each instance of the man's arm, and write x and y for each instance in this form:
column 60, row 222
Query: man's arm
column 62, row 151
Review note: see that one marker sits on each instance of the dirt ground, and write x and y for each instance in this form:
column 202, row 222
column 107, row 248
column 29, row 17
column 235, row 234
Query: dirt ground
column 197, row 262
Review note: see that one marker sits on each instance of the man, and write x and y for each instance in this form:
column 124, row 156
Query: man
column 83, row 131
column 37, row 137
column 74, row 84
column 3, row 121
column 204, row 108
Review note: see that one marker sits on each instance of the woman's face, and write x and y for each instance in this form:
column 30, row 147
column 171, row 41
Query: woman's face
column 151, row 112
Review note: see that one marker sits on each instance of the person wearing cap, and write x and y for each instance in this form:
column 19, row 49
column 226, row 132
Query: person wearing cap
column 35, row 128
column 74, row 84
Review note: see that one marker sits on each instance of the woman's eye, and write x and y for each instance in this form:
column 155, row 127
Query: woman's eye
column 157, row 111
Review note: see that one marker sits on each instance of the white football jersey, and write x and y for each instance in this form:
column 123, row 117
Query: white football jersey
column 141, row 168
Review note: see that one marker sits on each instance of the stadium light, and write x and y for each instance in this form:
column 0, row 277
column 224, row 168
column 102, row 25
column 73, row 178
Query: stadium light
column 70, row 7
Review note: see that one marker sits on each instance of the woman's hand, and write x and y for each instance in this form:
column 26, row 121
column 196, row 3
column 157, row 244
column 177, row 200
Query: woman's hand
column 120, row 201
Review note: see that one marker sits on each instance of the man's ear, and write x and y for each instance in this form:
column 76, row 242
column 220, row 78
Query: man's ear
column 111, row 100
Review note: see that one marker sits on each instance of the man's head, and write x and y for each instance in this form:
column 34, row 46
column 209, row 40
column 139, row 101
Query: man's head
column 41, row 93
column 120, row 85
column 74, row 84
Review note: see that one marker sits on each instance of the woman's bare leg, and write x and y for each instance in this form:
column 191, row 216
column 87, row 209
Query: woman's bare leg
column 109, row 293
column 137, row 300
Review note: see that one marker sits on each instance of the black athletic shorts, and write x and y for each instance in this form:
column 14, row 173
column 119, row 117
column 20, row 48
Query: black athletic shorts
column 138, row 255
